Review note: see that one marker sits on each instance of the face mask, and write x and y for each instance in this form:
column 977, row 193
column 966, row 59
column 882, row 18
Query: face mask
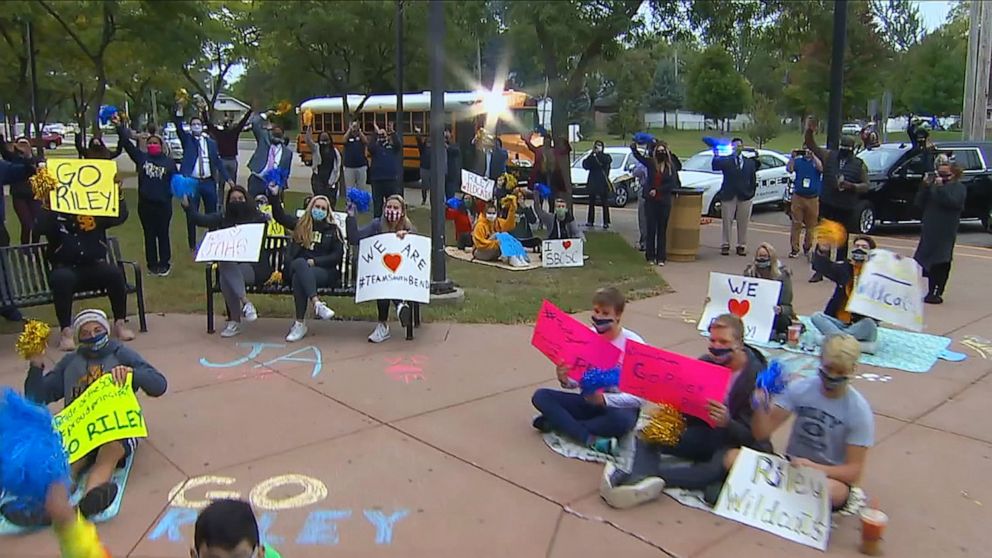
column 762, row 263
column 561, row 213
column 831, row 383
column 491, row 217
column 276, row 140
column 859, row 255
column 154, row 149
column 237, row 208
column 845, row 152
column 196, row 128
column 318, row 214
column 721, row 355
column 325, row 142
column 392, row 215
column 95, row 343
column 602, row 325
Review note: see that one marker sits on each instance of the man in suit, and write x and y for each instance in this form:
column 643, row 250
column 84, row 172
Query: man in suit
column 490, row 160
column 740, row 181
column 271, row 152
column 200, row 161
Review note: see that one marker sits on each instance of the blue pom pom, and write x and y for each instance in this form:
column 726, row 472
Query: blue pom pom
column 595, row 379
column 31, row 454
column 277, row 176
column 544, row 190
column 455, row 203
column 360, row 198
column 772, row 379
column 183, row 186
column 721, row 145
column 106, row 113
column 643, row 138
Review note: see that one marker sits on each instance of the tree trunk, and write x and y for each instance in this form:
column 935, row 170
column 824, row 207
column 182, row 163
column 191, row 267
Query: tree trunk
column 98, row 95
column 664, row 120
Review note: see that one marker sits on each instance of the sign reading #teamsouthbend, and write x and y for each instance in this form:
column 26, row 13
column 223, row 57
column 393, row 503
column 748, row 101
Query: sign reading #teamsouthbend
column 85, row 187
column 477, row 186
column 103, row 413
column 394, row 268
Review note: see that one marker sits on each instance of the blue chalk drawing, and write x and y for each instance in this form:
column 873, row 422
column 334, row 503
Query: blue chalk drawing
column 384, row 524
column 171, row 523
column 321, row 527
column 265, row 522
column 256, row 351
column 316, row 361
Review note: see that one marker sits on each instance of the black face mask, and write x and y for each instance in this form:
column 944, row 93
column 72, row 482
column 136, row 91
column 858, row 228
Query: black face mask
column 762, row 263
column 845, row 152
column 832, row 383
column 276, row 140
column 238, row 209
column 859, row 255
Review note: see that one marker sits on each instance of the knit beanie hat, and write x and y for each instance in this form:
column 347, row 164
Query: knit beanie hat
column 87, row 316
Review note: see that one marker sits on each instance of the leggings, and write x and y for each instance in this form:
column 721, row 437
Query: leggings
column 382, row 308
column 938, row 275
column 27, row 211
column 696, row 476
column 573, row 416
column 68, row 280
column 233, row 279
column 206, row 190
column 155, row 219
column 601, row 197
column 305, row 281
column 657, row 214
column 382, row 189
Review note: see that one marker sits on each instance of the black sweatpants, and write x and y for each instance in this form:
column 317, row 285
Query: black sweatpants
column 155, row 219
column 601, row 197
column 382, row 189
column 66, row 281
column 305, row 281
column 938, row 274
column 657, row 214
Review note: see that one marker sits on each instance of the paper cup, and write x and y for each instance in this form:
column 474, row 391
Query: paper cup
column 873, row 523
column 795, row 330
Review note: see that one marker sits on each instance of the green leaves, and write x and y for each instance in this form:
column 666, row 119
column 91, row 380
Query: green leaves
column 714, row 87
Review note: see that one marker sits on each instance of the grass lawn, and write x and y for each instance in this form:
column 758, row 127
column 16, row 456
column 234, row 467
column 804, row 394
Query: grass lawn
column 492, row 295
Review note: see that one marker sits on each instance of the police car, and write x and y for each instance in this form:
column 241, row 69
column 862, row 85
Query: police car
column 774, row 181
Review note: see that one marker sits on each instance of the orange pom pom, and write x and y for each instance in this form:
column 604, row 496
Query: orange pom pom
column 830, row 232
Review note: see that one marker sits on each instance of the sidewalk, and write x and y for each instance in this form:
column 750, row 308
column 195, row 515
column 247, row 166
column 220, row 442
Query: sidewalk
column 425, row 449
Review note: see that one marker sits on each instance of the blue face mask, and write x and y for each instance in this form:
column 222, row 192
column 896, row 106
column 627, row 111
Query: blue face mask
column 318, row 214
column 95, row 343
column 602, row 325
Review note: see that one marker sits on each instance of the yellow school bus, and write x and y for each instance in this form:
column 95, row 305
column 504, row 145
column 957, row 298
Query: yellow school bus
column 465, row 112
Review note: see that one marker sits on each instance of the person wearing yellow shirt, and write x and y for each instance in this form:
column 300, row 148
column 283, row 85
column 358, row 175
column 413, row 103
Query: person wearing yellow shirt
column 486, row 245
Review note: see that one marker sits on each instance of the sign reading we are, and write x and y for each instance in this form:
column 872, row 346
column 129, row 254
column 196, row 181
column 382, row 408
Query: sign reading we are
column 85, row 187
column 394, row 268
column 752, row 300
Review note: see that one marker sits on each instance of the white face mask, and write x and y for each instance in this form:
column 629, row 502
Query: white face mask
column 491, row 217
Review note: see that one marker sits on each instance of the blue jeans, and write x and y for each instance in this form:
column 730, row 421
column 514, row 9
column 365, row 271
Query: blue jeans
column 573, row 416
column 865, row 329
column 206, row 189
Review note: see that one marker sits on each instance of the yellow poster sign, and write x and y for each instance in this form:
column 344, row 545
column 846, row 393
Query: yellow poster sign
column 103, row 413
column 272, row 228
column 85, row 187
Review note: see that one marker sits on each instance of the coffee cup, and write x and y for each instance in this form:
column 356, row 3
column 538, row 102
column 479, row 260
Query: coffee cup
column 795, row 331
column 873, row 524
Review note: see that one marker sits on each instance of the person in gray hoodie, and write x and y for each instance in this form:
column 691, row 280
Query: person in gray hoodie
column 96, row 354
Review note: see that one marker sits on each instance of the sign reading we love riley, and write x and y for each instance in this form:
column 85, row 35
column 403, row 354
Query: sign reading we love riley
column 752, row 300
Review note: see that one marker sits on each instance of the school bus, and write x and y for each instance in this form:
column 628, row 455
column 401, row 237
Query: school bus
column 465, row 112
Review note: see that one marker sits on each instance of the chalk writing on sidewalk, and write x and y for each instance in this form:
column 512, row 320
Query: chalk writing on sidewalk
column 980, row 345
column 406, row 369
column 298, row 355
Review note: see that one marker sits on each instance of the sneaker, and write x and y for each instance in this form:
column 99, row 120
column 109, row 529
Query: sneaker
column 25, row 517
column 590, row 226
column 725, row 250
column 794, row 254
column 232, row 329
column 933, row 299
column 741, row 251
column 541, row 424
column 660, row 263
column 322, row 310
column 297, row 332
column 154, row 270
column 379, row 334
column 816, row 277
column 606, row 226
column 605, row 445
column 98, row 499
column 122, row 332
column 405, row 313
column 164, row 270
column 248, row 312
column 612, row 477
column 625, row 497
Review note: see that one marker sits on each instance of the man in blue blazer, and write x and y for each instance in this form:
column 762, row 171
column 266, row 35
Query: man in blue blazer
column 740, row 182
column 490, row 158
column 271, row 151
column 200, row 161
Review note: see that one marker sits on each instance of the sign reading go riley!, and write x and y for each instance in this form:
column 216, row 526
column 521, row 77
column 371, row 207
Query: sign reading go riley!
column 394, row 268
column 103, row 413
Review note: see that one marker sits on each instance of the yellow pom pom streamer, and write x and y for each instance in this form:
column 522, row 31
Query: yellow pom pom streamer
column 33, row 339
column 830, row 232
column 275, row 278
column 42, row 183
column 182, row 96
column 283, row 107
column 308, row 117
column 665, row 427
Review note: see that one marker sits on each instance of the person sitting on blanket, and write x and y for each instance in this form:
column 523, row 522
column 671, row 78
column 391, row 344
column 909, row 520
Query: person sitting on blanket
column 767, row 266
column 835, row 318
column 701, row 443
column 457, row 212
column 526, row 218
column 486, row 245
column 393, row 220
column 97, row 354
column 834, row 424
column 599, row 419
column 234, row 277
column 561, row 225
column 313, row 256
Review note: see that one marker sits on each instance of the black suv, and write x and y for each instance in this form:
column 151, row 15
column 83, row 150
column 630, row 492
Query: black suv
column 895, row 178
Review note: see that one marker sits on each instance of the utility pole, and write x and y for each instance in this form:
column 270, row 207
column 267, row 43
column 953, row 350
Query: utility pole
column 398, row 125
column 837, row 74
column 440, row 284
column 34, row 91
column 976, row 84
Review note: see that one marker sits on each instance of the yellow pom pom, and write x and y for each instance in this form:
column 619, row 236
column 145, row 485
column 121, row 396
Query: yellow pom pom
column 665, row 427
column 275, row 278
column 283, row 107
column 308, row 117
column 182, row 96
column 831, row 233
column 33, row 339
column 42, row 183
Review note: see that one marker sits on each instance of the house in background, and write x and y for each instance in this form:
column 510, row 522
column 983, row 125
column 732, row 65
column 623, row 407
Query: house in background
column 227, row 106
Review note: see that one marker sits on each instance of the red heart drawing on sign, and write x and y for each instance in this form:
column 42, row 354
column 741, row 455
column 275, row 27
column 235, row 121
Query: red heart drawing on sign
column 567, row 244
column 392, row 261
column 739, row 308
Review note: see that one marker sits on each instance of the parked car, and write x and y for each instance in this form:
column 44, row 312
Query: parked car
column 55, row 127
column 49, row 140
column 895, row 178
column 774, row 180
column 851, row 128
column 625, row 187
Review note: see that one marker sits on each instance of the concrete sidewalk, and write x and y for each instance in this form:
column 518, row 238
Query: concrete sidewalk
column 425, row 448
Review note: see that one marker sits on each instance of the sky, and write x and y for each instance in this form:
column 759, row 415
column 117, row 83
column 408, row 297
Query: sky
column 934, row 12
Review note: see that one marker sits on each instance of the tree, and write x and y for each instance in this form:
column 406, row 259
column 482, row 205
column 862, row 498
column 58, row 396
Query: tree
column 628, row 119
column 900, row 22
column 667, row 92
column 937, row 67
column 765, row 122
column 714, row 87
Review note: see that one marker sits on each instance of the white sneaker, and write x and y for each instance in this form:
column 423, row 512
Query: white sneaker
column 297, row 332
column 232, row 329
column 628, row 496
column 322, row 310
column 379, row 334
column 249, row 313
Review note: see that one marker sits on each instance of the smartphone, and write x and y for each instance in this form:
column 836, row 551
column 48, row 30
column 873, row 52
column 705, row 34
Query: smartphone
column 797, row 153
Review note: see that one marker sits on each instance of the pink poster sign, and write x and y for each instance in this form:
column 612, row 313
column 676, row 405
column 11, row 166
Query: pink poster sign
column 661, row 376
column 562, row 338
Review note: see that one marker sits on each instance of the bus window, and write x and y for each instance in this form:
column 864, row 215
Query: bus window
column 390, row 117
column 420, row 120
column 526, row 118
column 367, row 119
column 336, row 123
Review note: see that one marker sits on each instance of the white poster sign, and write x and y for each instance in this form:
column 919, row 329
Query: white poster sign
column 390, row 268
column 752, row 300
column 890, row 289
column 477, row 186
column 240, row 243
column 767, row 492
column 562, row 253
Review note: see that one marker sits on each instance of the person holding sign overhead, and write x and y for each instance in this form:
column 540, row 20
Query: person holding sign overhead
column 312, row 257
column 835, row 318
column 96, row 355
column 766, row 265
column 155, row 170
column 200, row 161
column 393, row 220
column 96, row 148
column 598, row 419
column 77, row 250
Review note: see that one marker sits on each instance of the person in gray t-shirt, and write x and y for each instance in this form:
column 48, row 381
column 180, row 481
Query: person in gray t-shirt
column 834, row 424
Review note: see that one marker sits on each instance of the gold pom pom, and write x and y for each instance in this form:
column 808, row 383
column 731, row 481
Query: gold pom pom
column 33, row 339
column 665, row 427
column 830, row 232
column 308, row 117
column 42, row 183
column 275, row 278
column 182, row 96
column 283, row 107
